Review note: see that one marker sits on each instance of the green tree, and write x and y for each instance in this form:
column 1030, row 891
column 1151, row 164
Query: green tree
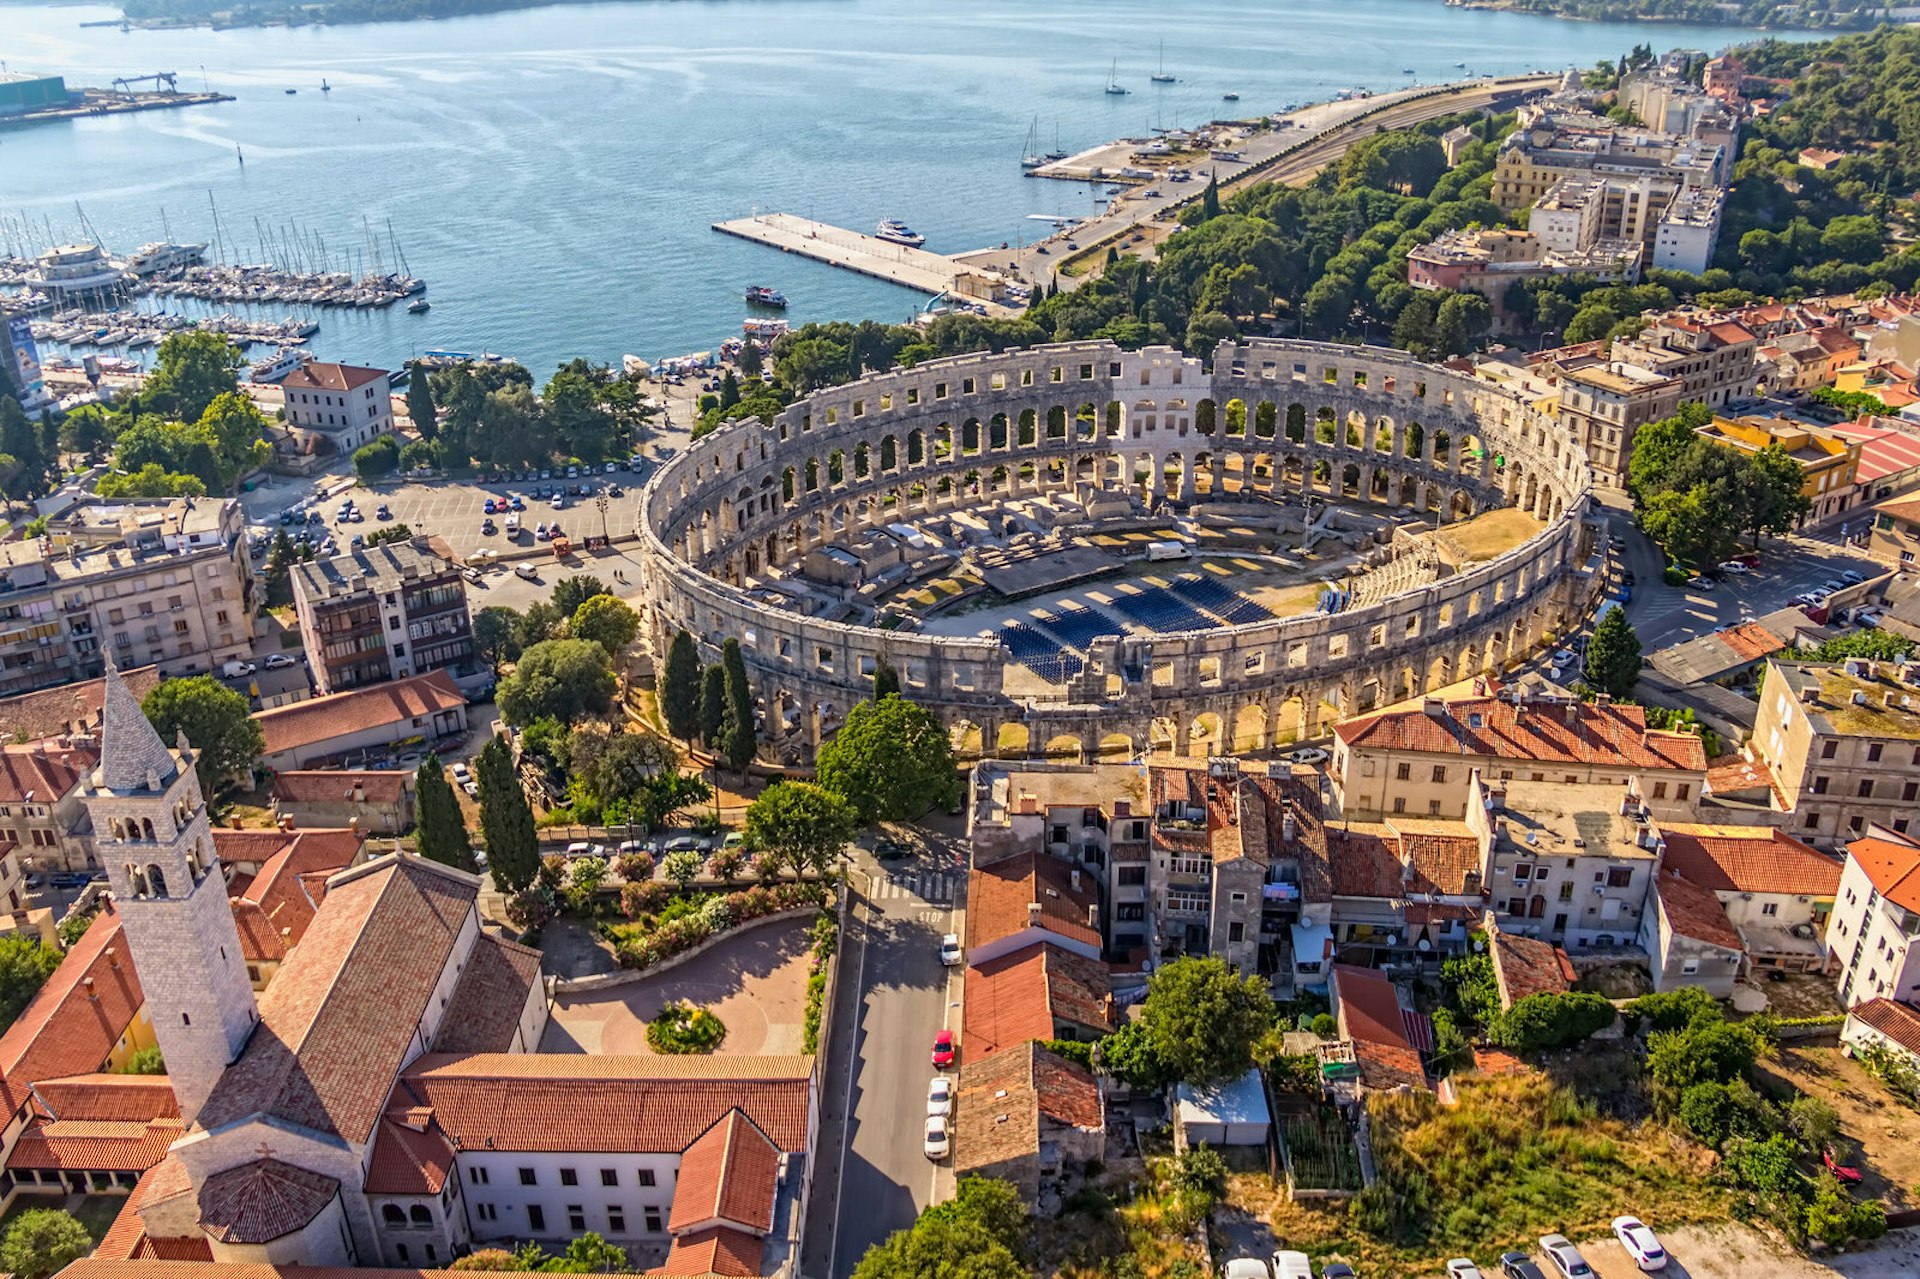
column 891, row 760
column 589, row 1254
column 490, row 1259
column 235, row 428
column 25, row 965
column 1613, row 655
column 1716, row 1051
column 539, row 623
column 1132, row 1055
column 749, row 360
column 496, row 635
column 381, row 457
column 713, row 706
column 191, row 370
column 680, row 687
column 218, row 723
column 994, row 1205
column 739, row 733
column 886, row 680
column 42, row 1241
column 559, row 679
column 506, row 821
column 681, row 869
column 569, row 593
column 146, row 1061
column 442, row 829
column 1544, row 1020
column 1203, row 1019
column 801, row 824
column 1779, row 500
column 606, row 621
column 421, row 410
column 391, row 533
column 150, row 480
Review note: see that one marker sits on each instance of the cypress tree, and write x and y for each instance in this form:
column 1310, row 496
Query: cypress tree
column 885, row 680
column 729, row 390
column 1210, row 199
column 420, row 407
column 442, row 830
column 680, row 687
column 513, row 847
column 713, row 705
column 740, row 738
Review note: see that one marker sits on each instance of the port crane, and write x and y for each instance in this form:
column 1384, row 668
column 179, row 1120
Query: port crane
column 124, row 84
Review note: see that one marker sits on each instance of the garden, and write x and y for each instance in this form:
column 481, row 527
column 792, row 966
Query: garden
column 1320, row 1148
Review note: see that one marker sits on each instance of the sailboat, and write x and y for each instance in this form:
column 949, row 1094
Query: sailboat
column 1059, row 152
column 1113, row 83
column 1030, row 158
column 1162, row 76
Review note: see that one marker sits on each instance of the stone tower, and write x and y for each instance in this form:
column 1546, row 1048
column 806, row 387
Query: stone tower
column 150, row 826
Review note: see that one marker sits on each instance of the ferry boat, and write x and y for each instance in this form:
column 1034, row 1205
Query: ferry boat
column 160, row 257
column 768, row 329
column 761, row 295
column 289, row 359
column 894, row 231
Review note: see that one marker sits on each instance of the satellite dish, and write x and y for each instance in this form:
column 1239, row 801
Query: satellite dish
column 1424, row 944
column 1393, row 939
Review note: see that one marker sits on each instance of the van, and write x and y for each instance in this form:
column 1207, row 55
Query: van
column 1288, row 1264
column 1168, row 551
column 237, row 670
column 527, row 571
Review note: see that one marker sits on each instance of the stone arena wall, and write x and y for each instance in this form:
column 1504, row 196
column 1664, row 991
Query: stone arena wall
column 1274, row 420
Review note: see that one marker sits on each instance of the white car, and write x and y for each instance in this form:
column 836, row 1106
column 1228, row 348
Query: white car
column 1564, row 1257
column 1288, row 1264
column 937, row 1143
column 1564, row 658
column 940, row 1096
column 1640, row 1242
column 460, row 770
column 1306, row 755
column 472, row 788
column 527, row 571
column 1246, row 1268
column 276, row 661
column 950, row 949
column 1736, row 568
column 584, row 849
column 1462, row 1268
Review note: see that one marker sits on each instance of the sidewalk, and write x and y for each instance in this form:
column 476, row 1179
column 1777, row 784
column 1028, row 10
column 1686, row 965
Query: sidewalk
column 823, row 1204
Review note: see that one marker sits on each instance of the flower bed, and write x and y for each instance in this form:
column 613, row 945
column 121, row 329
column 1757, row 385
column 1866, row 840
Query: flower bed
column 683, row 1028
column 686, row 922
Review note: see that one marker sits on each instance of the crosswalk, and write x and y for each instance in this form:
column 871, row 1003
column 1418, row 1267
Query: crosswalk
column 927, row 886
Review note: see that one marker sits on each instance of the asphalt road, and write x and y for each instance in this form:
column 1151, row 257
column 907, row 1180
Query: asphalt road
column 904, row 996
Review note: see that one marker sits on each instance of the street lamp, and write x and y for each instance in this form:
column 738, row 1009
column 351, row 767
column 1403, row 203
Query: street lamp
column 601, row 503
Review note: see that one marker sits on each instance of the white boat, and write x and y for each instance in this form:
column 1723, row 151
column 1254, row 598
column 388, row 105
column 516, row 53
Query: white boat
column 894, row 231
column 769, row 329
column 289, row 359
column 1030, row 157
column 1113, row 81
column 1163, row 76
column 162, row 256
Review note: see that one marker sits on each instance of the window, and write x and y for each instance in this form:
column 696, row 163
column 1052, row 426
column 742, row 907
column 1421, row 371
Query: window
column 609, row 1176
column 616, row 1220
column 528, row 1177
column 1873, row 752
column 1131, row 876
column 653, row 1221
column 1439, row 772
column 1690, row 967
column 1236, row 931
column 1403, row 772
column 536, row 1218
column 1399, row 803
column 1659, row 790
column 1681, row 791
column 392, row 1215
column 1770, row 908
column 1433, row 808
column 568, row 1177
column 486, row 1212
column 478, row 1176
column 576, row 1218
column 1866, row 788
column 1619, row 876
column 1827, row 749
column 401, row 1249
column 645, row 1176
column 1522, row 873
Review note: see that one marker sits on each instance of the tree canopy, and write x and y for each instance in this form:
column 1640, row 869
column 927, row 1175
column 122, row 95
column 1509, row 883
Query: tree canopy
column 1202, row 1019
column 218, row 722
column 891, row 761
column 606, row 621
column 25, row 965
column 41, row 1241
column 506, row 820
column 800, row 824
column 564, row 680
column 442, row 828
column 1613, row 655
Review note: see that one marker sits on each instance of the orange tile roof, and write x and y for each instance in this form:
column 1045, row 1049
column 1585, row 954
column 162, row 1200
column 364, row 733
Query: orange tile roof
column 1370, row 1008
column 718, row 1251
column 1365, row 862
column 566, row 1102
column 260, row 941
column 489, row 997
column 1733, row 775
column 69, row 1028
column 1730, row 333
column 336, row 785
column 51, row 712
column 411, row 1156
column 42, row 774
column 282, row 890
column 1498, row 1061
column 1751, row 641
column 236, row 847
column 1528, row 966
column 1000, row 897
column 323, row 719
column 1004, row 1103
column 1614, row 734
column 91, row 1145
column 1445, row 863
column 132, row 1098
column 1749, row 859
column 1898, row 1021
column 258, row 1202
column 127, row 1237
column 1384, row 1067
column 345, row 1009
column 1693, row 911
column 322, row 376
column 1018, row 996
column 729, row 1176
column 1893, row 868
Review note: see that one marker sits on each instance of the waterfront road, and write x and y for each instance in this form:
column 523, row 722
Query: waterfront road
column 1333, row 127
column 872, row 1178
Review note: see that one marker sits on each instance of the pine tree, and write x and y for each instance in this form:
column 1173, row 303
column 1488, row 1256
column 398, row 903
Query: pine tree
column 713, row 705
column 506, row 822
column 739, row 736
column 442, row 830
column 680, row 687
column 729, row 390
column 420, row 407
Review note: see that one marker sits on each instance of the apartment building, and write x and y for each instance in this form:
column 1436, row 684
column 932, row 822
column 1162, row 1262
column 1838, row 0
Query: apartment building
column 336, row 408
column 381, row 613
column 1896, row 532
column 162, row 582
column 41, row 815
column 1714, row 359
column 1416, row 761
column 1829, row 461
column 1842, row 745
column 1875, row 932
column 1604, row 403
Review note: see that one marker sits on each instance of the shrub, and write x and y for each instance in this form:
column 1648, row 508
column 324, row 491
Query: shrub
column 1703, row 1050
column 382, row 457
column 553, row 871
column 1548, row 1021
column 1673, row 1009
column 634, row 867
column 1077, row 1051
column 1325, row 1026
column 643, row 898
column 1833, row 1219
column 685, row 1028
column 530, row 909
column 816, row 1003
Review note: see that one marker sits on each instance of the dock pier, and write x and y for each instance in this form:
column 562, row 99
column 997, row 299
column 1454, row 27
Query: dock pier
column 929, row 273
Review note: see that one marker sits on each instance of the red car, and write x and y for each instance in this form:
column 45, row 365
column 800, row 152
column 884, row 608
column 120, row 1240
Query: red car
column 943, row 1048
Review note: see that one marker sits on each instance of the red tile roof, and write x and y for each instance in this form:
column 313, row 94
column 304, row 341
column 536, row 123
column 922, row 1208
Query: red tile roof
column 1882, row 452
column 411, row 1156
column 258, row 1202
column 1004, row 1103
column 1018, row 996
column 322, row 376
column 127, row 1237
column 41, row 775
column 566, row 1102
column 282, row 889
column 1893, row 868
column 1751, row 641
column 323, row 719
column 337, row 786
column 248, row 847
column 1369, row 1007
column 1750, row 859
column 51, row 712
column 130, row 1098
column 1447, row 863
column 719, row 1251
column 345, row 1012
column 1696, row 912
column 91, row 1145
column 1365, row 862
column 69, row 1027
column 729, row 1176
column 1000, row 897
column 489, row 998
column 1525, row 966
column 1612, row 734
column 1732, row 775
column 1898, row 1021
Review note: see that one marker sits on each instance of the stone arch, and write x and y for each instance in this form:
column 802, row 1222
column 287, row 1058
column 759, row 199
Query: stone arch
column 916, row 447
column 1116, row 745
column 1015, row 741
column 393, row 1215
column 155, row 880
column 1065, row 746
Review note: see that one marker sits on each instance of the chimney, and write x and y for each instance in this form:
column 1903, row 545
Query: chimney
column 1093, row 915
column 1033, row 912
column 113, row 958
column 1500, row 829
column 1572, row 713
column 1076, row 879
column 1434, row 706
column 86, row 984
column 234, row 823
column 1289, row 826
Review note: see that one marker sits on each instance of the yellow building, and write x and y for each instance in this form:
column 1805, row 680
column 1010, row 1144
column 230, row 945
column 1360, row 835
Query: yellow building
column 1829, row 461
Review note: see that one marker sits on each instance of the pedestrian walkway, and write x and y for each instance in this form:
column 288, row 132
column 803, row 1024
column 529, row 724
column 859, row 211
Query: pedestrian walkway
column 930, row 886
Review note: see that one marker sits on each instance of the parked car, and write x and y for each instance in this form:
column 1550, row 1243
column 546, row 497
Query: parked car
column 276, row 661
column 237, row 670
column 1336, row 1270
column 890, row 849
column 1462, row 1268
column 488, row 527
column 581, row 848
column 1563, row 659
column 1518, row 1265
column 682, row 844
column 635, row 846
column 1735, row 567
column 487, row 506
column 1852, row 578
column 527, row 571
column 950, row 949
column 1564, row 1257
column 943, row 1048
column 940, row 1095
column 472, row 788
column 1289, row 1264
column 460, row 770
column 1246, row 1268
column 1640, row 1243
column 1306, row 755
column 1700, row 582
column 515, row 503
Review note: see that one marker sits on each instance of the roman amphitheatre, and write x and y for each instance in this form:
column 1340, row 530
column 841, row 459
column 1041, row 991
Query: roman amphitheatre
column 1082, row 551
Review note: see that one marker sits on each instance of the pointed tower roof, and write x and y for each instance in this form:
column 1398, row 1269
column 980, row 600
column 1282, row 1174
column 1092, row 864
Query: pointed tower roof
column 130, row 750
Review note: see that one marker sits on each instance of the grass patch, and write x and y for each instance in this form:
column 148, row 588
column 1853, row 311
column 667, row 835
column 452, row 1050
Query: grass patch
column 1486, row 536
column 1321, row 1151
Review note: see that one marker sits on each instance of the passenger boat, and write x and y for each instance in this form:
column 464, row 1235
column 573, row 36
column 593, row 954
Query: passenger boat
column 289, row 359
column 768, row 329
column 761, row 295
column 894, row 231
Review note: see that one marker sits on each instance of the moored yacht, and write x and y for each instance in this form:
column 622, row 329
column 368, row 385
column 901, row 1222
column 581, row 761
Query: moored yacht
column 761, row 295
column 894, row 231
column 161, row 256
column 272, row 370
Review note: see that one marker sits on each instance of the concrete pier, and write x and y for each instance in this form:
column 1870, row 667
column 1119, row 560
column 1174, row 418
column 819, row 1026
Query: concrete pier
column 930, row 273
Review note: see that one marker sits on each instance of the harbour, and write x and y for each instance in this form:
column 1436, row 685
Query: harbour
column 911, row 267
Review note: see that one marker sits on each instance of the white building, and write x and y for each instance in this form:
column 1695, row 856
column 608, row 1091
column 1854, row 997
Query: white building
column 336, row 408
column 1875, row 933
column 1686, row 234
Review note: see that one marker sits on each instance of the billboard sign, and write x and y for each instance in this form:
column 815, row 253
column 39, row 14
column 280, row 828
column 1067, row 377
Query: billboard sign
column 26, row 359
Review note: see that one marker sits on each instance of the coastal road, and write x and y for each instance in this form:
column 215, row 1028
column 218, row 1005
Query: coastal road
column 1334, row 127
column 873, row 1178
